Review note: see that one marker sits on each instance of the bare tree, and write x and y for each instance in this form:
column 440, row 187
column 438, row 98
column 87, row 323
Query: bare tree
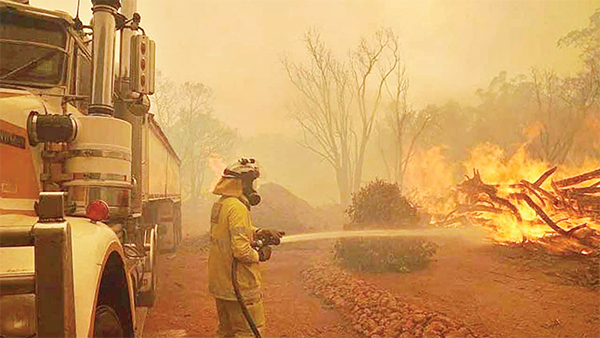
column 323, row 109
column 372, row 63
column 164, row 100
column 338, row 101
column 185, row 113
column 562, row 107
column 401, row 128
column 585, row 87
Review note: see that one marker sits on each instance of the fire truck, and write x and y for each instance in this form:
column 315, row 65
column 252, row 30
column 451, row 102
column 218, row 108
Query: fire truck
column 90, row 185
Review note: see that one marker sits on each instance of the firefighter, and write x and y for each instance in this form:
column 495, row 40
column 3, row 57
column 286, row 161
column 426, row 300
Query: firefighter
column 231, row 236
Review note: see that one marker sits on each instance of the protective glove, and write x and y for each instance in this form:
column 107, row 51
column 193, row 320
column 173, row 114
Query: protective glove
column 269, row 237
column 264, row 253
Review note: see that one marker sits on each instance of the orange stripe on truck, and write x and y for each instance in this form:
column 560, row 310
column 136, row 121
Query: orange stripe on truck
column 4, row 95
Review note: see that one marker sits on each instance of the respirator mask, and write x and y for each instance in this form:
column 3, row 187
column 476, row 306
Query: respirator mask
column 247, row 170
column 249, row 186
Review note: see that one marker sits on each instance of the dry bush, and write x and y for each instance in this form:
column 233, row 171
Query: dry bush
column 381, row 205
column 384, row 254
column 380, row 202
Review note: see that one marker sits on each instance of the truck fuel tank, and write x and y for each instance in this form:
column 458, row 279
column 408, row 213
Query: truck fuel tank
column 99, row 162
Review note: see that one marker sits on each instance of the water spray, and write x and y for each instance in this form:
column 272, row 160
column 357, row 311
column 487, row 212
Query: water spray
column 473, row 233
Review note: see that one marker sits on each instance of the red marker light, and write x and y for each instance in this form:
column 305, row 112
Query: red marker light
column 97, row 210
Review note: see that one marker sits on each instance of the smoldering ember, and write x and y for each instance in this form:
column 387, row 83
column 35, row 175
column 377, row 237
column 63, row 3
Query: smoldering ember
column 333, row 168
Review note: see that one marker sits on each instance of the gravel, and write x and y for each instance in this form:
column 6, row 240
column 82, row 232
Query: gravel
column 377, row 313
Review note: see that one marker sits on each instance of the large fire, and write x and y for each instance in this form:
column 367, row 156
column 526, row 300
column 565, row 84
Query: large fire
column 216, row 165
column 519, row 199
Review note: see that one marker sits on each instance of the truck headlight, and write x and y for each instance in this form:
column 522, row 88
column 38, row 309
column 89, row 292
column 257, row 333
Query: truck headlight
column 17, row 316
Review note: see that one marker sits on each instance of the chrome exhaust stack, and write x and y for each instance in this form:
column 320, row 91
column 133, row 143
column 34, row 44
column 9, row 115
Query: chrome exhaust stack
column 103, row 56
column 128, row 10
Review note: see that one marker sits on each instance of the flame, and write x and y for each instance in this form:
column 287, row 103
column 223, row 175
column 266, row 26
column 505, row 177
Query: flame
column 432, row 176
column 534, row 130
column 217, row 166
column 496, row 168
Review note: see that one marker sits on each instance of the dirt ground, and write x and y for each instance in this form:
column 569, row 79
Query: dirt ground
column 185, row 309
column 496, row 291
column 501, row 291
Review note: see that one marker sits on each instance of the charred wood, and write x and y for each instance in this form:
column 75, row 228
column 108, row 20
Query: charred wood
column 506, row 203
column 472, row 208
column 544, row 177
column 540, row 212
column 532, row 189
column 578, row 179
column 474, row 187
column 573, row 192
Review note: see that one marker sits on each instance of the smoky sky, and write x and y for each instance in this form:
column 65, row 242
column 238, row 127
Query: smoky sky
column 451, row 48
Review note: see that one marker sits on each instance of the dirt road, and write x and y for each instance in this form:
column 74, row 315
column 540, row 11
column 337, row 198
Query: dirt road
column 502, row 292
column 496, row 291
column 185, row 309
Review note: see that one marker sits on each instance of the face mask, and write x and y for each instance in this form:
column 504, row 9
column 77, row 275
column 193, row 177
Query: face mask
column 251, row 194
column 253, row 198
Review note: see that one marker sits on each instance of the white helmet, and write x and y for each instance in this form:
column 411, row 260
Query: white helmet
column 244, row 168
column 247, row 171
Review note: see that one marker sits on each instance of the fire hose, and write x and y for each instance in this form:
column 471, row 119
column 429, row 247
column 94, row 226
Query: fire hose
column 257, row 245
column 238, row 295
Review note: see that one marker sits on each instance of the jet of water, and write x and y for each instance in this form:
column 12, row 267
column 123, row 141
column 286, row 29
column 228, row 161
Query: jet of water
column 473, row 233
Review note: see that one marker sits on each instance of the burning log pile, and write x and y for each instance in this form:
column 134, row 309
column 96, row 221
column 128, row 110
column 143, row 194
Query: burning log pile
column 573, row 201
column 377, row 313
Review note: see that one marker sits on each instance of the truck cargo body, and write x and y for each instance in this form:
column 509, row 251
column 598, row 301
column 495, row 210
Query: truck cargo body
column 161, row 184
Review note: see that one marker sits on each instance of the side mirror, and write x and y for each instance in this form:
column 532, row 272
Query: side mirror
column 142, row 64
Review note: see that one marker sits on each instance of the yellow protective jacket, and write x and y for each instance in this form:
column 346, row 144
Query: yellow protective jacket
column 231, row 232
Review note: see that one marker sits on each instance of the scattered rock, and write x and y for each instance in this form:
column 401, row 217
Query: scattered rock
column 377, row 313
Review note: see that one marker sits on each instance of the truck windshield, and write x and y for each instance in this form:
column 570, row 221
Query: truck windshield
column 33, row 50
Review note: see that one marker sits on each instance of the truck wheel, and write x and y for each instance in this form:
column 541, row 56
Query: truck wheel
column 177, row 235
column 107, row 323
column 147, row 296
column 178, row 225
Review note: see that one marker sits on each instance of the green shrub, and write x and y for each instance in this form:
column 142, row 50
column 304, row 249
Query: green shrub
column 384, row 254
column 380, row 203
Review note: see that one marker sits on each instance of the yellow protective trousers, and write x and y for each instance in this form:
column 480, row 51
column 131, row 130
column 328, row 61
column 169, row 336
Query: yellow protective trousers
column 232, row 322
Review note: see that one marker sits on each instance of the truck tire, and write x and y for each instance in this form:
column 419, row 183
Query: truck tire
column 147, row 296
column 178, row 225
column 176, row 236
column 167, row 237
column 107, row 323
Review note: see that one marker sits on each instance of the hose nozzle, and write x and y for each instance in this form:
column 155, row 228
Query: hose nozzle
column 258, row 244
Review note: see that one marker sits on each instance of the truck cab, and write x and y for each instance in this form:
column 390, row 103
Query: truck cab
column 43, row 53
column 79, row 232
